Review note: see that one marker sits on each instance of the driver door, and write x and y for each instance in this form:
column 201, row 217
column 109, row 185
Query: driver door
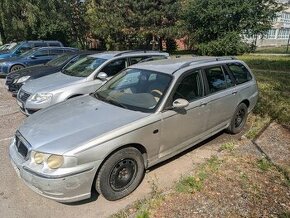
column 181, row 128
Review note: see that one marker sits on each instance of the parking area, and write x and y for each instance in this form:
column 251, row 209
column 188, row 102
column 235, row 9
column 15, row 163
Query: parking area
column 17, row 200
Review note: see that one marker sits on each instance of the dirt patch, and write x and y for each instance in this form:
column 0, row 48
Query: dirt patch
column 275, row 142
column 245, row 185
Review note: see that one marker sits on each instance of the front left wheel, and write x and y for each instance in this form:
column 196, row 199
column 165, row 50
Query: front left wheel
column 121, row 174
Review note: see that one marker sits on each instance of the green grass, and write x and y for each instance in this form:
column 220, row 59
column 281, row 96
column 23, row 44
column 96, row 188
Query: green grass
column 274, row 86
column 267, row 63
column 228, row 146
column 272, row 50
column 193, row 183
column 263, row 164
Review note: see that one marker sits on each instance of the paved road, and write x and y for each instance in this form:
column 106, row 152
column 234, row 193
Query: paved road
column 17, row 200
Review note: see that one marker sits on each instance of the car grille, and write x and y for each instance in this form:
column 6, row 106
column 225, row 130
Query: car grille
column 10, row 79
column 23, row 96
column 21, row 148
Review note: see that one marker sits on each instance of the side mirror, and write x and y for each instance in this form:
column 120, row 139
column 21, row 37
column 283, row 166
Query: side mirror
column 180, row 103
column 102, row 76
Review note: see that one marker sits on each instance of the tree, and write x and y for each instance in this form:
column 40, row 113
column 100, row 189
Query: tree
column 126, row 24
column 213, row 21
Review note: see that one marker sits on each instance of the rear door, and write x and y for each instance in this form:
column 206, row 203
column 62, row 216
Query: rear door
column 221, row 95
column 181, row 128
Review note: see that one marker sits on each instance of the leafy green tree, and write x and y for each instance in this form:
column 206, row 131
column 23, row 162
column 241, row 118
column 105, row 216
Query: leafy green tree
column 133, row 24
column 223, row 22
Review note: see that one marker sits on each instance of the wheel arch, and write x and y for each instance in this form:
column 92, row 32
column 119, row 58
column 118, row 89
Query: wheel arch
column 246, row 102
column 14, row 64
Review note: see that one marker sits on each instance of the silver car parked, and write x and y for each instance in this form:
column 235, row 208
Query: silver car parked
column 83, row 77
column 146, row 114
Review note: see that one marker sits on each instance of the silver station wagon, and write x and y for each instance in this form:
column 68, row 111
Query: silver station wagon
column 146, row 114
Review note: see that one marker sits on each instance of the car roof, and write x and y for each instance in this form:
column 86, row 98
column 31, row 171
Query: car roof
column 170, row 66
column 112, row 54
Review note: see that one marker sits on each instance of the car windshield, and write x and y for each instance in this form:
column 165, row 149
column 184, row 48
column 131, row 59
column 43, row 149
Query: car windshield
column 135, row 89
column 84, row 67
column 60, row 60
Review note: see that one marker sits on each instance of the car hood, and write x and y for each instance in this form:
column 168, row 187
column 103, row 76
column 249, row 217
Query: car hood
column 63, row 127
column 36, row 71
column 50, row 83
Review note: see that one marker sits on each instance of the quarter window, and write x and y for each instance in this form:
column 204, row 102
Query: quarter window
column 190, row 88
column 240, row 73
column 216, row 79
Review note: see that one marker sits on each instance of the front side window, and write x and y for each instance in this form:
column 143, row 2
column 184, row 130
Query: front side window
column 240, row 72
column 60, row 60
column 41, row 53
column 132, row 89
column 115, row 67
column 216, row 79
column 84, row 67
column 190, row 87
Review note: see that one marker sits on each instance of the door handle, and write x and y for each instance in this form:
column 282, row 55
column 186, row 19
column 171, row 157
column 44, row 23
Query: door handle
column 234, row 92
column 202, row 104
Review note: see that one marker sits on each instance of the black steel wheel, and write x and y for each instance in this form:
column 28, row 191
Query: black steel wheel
column 121, row 174
column 239, row 119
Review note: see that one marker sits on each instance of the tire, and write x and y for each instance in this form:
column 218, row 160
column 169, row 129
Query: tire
column 121, row 174
column 239, row 119
column 16, row 67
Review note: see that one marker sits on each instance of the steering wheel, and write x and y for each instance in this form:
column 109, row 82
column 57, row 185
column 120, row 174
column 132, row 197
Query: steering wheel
column 156, row 91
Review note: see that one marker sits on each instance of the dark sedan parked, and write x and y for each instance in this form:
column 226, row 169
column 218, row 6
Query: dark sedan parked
column 32, row 57
column 15, row 80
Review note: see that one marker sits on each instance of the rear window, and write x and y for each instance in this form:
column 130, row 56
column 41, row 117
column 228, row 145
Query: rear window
column 216, row 79
column 240, row 72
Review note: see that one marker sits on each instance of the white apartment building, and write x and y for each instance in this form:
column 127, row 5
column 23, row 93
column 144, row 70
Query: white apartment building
column 279, row 34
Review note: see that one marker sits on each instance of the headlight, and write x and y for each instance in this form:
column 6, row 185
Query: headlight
column 41, row 97
column 22, row 79
column 55, row 161
column 39, row 157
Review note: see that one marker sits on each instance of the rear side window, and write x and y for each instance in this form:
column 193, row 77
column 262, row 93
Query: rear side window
column 216, row 79
column 240, row 73
column 40, row 44
column 135, row 60
column 54, row 44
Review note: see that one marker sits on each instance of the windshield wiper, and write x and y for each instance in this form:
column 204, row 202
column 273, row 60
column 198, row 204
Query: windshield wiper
column 116, row 103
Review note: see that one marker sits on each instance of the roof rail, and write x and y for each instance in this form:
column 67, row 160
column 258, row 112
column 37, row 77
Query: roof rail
column 132, row 51
column 210, row 59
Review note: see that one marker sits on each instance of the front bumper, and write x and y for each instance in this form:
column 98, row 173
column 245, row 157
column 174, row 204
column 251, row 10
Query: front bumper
column 70, row 188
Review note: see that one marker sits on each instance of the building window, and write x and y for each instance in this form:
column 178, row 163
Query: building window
column 283, row 33
column 271, row 34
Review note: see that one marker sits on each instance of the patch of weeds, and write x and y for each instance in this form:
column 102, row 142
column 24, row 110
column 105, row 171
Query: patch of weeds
column 256, row 123
column 190, row 184
column 229, row 146
column 142, row 214
column 263, row 164
column 284, row 215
